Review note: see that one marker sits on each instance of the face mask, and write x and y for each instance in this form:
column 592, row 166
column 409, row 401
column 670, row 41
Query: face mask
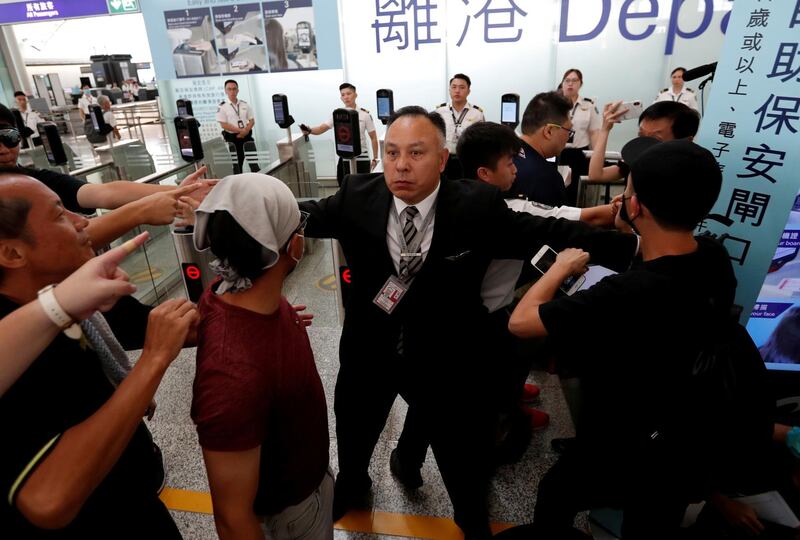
column 623, row 214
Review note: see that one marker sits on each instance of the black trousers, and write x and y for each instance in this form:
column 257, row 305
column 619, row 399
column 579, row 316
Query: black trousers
column 650, row 495
column 503, row 385
column 579, row 165
column 343, row 168
column 239, row 144
column 459, row 434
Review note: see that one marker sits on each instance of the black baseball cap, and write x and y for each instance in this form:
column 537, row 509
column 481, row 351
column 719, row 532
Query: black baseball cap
column 678, row 181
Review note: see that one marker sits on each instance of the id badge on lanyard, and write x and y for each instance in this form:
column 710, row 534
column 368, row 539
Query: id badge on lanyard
column 396, row 287
column 236, row 110
column 457, row 123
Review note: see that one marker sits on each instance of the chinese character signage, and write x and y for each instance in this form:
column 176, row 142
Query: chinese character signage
column 751, row 126
column 17, row 12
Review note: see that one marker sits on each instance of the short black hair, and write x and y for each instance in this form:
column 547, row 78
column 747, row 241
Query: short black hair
column 230, row 81
column 545, row 108
column 685, row 120
column 19, row 93
column 346, row 85
column 671, row 73
column 416, row 110
column 463, row 78
column 7, row 117
column 483, row 144
column 678, row 181
column 230, row 242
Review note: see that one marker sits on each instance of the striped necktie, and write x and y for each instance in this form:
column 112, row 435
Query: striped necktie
column 409, row 266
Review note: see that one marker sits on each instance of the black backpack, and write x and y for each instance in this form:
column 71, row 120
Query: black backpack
column 730, row 393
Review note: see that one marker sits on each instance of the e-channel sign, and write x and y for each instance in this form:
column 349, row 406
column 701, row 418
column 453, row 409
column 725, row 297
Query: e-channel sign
column 20, row 12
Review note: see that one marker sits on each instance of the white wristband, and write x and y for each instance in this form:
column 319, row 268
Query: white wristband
column 53, row 310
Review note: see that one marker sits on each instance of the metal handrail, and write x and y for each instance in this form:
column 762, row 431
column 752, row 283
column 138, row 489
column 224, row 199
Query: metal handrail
column 158, row 176
column 91, row 169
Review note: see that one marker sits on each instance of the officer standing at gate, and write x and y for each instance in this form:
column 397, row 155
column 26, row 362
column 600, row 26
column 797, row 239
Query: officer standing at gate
column 236, row 119
column 348, row 95
column 458, row 116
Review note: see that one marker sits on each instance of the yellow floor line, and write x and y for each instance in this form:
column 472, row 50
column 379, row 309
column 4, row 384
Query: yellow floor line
column 364, row 521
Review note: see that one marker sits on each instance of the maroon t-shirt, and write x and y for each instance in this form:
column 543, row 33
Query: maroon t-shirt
column 257, row 384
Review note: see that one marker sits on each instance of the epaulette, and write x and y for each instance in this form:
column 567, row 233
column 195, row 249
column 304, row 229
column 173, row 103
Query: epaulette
column 221, row 103
column 689, row 90
column 441, row 105
column 664, row 90
column 365, row 110
column 476, row 107
column 590, row 100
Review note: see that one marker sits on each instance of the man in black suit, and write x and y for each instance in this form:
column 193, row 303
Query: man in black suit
column 418, row 249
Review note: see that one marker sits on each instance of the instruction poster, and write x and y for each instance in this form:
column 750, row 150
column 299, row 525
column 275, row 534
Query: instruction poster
column 291, row 38
column 191, row 34
column 239, row 32
column 775, row 320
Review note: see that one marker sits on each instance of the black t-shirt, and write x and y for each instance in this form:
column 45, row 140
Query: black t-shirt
column 537, row 179
column 633, row 338
column 64, row 185
column 61, row 389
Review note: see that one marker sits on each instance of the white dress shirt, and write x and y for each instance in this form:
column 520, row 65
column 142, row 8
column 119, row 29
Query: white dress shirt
column 393, row 227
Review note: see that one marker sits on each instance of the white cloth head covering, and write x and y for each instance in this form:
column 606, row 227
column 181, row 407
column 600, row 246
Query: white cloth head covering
column 262, row 205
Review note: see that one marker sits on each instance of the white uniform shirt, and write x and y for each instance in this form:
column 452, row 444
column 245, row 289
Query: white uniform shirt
column 85, row 102
column 31, row 118
column 456, row 122
column 499, row 282
column 685, row 96
column 393, row 227
column 231, row 114
column 585, row 119
column 366, row 126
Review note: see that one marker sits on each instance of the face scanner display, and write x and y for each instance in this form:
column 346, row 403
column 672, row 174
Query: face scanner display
column 346, row 133
column 385, row 99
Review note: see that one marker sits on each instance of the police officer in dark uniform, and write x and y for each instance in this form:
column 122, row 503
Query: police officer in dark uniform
column 236, row 119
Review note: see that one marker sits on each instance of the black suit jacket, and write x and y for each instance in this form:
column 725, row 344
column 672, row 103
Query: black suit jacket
column 442, row 315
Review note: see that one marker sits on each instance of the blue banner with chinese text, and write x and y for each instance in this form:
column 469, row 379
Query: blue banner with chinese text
column 751, row 126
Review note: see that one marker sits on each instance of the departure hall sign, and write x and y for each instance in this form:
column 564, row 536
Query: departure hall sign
column 49, row 10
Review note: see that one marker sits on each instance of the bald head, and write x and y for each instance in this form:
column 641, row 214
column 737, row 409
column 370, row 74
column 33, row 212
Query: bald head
column 40, row 241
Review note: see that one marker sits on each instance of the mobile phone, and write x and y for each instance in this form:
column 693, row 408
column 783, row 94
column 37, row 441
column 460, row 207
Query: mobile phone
column 634, row 110
column 545, row 258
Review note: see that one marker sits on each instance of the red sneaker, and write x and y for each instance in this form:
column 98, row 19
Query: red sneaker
column 539, row 419
column 530, row 392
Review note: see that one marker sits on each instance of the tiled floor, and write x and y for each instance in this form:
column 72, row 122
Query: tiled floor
column 513, row 490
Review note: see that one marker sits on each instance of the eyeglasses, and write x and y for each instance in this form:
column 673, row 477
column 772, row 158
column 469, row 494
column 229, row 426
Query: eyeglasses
column 572, row 80
column 9, row 137
column 570, row 131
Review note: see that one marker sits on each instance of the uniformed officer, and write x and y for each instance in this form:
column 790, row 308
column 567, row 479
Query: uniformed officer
column 86, row 101
column 366, row 126
column 29, row 117
column 236, row 119
column 678, row 91
column 586, row 122
column 460, row 114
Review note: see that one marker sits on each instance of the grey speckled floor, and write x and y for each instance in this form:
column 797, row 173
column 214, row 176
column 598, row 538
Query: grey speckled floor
column 512, row 495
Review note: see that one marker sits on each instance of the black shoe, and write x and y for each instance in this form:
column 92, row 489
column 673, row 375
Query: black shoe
column 410, row 477
column 563, row 444
column 348, row 496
